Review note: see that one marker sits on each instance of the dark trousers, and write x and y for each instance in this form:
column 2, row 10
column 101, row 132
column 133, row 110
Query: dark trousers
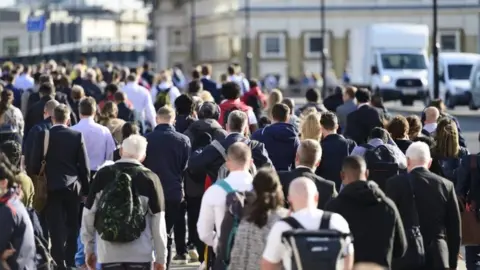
column 61, row 213
column 472, row 257
column 193, row 211
column 127, row 266
column 180, row 229
column 172, row 214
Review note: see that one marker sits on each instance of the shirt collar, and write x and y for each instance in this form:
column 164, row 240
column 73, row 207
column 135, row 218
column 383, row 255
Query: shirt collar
column 87, row 120
column 303, row 167
column 164, row 127
column 361, row 105
column 129, row 160
column 206, row 77
column 59, row 125
column 430, row 127
column 240, row 175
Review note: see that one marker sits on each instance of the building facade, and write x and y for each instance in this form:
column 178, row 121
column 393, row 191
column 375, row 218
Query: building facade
column 70, row 27
column 285, row 35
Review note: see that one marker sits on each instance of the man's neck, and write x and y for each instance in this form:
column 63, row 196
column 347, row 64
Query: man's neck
column 328, row 132
column 86, row 116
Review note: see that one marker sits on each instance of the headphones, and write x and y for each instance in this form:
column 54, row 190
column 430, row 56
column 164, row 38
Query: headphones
column 216, row 113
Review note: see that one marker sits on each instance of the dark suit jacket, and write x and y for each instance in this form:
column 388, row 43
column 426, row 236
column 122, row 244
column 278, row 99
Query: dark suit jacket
column 66, row 158
column 211, row 86
column 361, row 122
column 326, row 188
column 335, row 148
column 30, row 138
column 36, row 107
column 438, row 213
column 125, row 113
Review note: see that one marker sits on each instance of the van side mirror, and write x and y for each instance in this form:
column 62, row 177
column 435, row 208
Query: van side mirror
column 374, row 70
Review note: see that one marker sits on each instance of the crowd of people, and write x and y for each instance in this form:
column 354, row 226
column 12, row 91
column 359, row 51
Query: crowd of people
column 108, row 168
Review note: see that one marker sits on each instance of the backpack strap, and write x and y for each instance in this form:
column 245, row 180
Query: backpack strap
column 325, row 221
column 225, row 186
column 217, row 145
column 293, row 223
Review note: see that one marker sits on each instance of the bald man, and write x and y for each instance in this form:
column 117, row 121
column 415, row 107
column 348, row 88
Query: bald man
column 431, row 118
column 373, row 218
column 303, row 198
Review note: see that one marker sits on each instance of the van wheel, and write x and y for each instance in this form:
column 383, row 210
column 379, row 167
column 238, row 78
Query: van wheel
column 407, row 101
column 449, row 102
column 427, row 99
column 471, row 104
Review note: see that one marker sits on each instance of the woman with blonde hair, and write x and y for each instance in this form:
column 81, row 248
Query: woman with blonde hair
column 447, row 152
column 109, row 118
column 310, row 127
column 275, row 97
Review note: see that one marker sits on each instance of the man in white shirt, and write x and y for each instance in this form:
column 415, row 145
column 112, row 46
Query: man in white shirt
column 431, row 118
column 212, row 210
column 303, row 197
column 141, row 100
column 24, row 81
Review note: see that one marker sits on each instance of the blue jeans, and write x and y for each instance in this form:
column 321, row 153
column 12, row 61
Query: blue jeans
column 472, row 257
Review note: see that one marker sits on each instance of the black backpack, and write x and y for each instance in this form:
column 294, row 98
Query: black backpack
column 120, row 216
column 381, row 164
column 314, row 249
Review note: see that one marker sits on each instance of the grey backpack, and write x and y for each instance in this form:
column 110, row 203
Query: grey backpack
column 223, row 171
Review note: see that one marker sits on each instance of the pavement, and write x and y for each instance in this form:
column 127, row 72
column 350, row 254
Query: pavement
column 469, row 123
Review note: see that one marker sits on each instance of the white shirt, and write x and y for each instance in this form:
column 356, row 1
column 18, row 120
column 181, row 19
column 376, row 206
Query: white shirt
column 275, row 251
column 212, row 209
column 142, row 101
column 430, row 127
column 173, row 93
column 24, row 82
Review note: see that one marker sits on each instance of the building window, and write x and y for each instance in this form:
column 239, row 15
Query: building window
column 272, row 45
column 11, row 46
column 449, row 41
column 313, row 45
column 177, row 38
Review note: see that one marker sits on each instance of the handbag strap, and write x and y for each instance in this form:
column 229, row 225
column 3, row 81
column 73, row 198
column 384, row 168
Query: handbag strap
column 46, row 141
column 416, row 218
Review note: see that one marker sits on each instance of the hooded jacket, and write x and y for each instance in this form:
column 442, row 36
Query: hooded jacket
column 374, row 220
column 197, row 133
column 281, row 141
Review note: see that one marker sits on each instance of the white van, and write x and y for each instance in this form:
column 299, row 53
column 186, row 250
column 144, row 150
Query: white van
column 454, row 74
column 475, row 86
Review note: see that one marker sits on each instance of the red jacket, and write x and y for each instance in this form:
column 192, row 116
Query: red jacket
column 255, row 91
column 228, row 105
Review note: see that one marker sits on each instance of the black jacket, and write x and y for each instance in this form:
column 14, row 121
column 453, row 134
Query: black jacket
column 361, row 122
column 29, row 139
column 125, row 113
column 67, row 161
column 35, row 112
column 334, row 149
column 182, row 122
column 197, row 133
column 167, row 156
column 437, row 209
column 92, row 90
column 402, row 144
column 374, row 222
column 209, row 160
column 326, row 188
column 212, row 87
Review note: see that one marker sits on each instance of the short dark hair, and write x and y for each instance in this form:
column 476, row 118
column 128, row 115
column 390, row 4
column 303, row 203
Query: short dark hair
column 398, row 127
column 8, row 78
column 87, row 106
column 379, row 133
column 129, row 129
column 350, row 91
column 45, row 78
column 120, row 96
column 195, row 74
column 231, row 70
column 363, row 95
column 280, row 112
column 354, row 164
column 253, row 83
column 61, row 113
column 184, row 104
column 195, row 86
column 111, row 88
column 46, row 89
column 231, row 90
column 131, row 77
column 206, row 69
column 425, row 139
column 312, row 95
column 329, row 121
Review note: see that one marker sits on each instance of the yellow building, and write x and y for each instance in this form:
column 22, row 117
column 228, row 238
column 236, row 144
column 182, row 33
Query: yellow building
column 285, row 34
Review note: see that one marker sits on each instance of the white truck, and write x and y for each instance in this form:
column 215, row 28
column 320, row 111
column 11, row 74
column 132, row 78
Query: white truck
column 391, row 60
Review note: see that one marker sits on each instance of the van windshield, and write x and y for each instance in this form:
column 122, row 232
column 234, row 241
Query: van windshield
column 459, row 71
column 403, row 61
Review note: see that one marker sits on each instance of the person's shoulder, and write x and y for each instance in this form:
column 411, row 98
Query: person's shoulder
column 339, row 223
column 215, row 195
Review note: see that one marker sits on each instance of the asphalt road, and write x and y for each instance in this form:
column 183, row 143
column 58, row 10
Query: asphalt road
column 469, row 123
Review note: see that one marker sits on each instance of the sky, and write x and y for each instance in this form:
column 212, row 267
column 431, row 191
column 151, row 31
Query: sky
column 123, row 3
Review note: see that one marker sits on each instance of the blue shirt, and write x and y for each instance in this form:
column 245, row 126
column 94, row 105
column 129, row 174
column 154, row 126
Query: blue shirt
column 99, row 142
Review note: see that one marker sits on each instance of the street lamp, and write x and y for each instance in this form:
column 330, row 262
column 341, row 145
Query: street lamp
column 435, row 49
column 248, row 27
column 323, row 60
